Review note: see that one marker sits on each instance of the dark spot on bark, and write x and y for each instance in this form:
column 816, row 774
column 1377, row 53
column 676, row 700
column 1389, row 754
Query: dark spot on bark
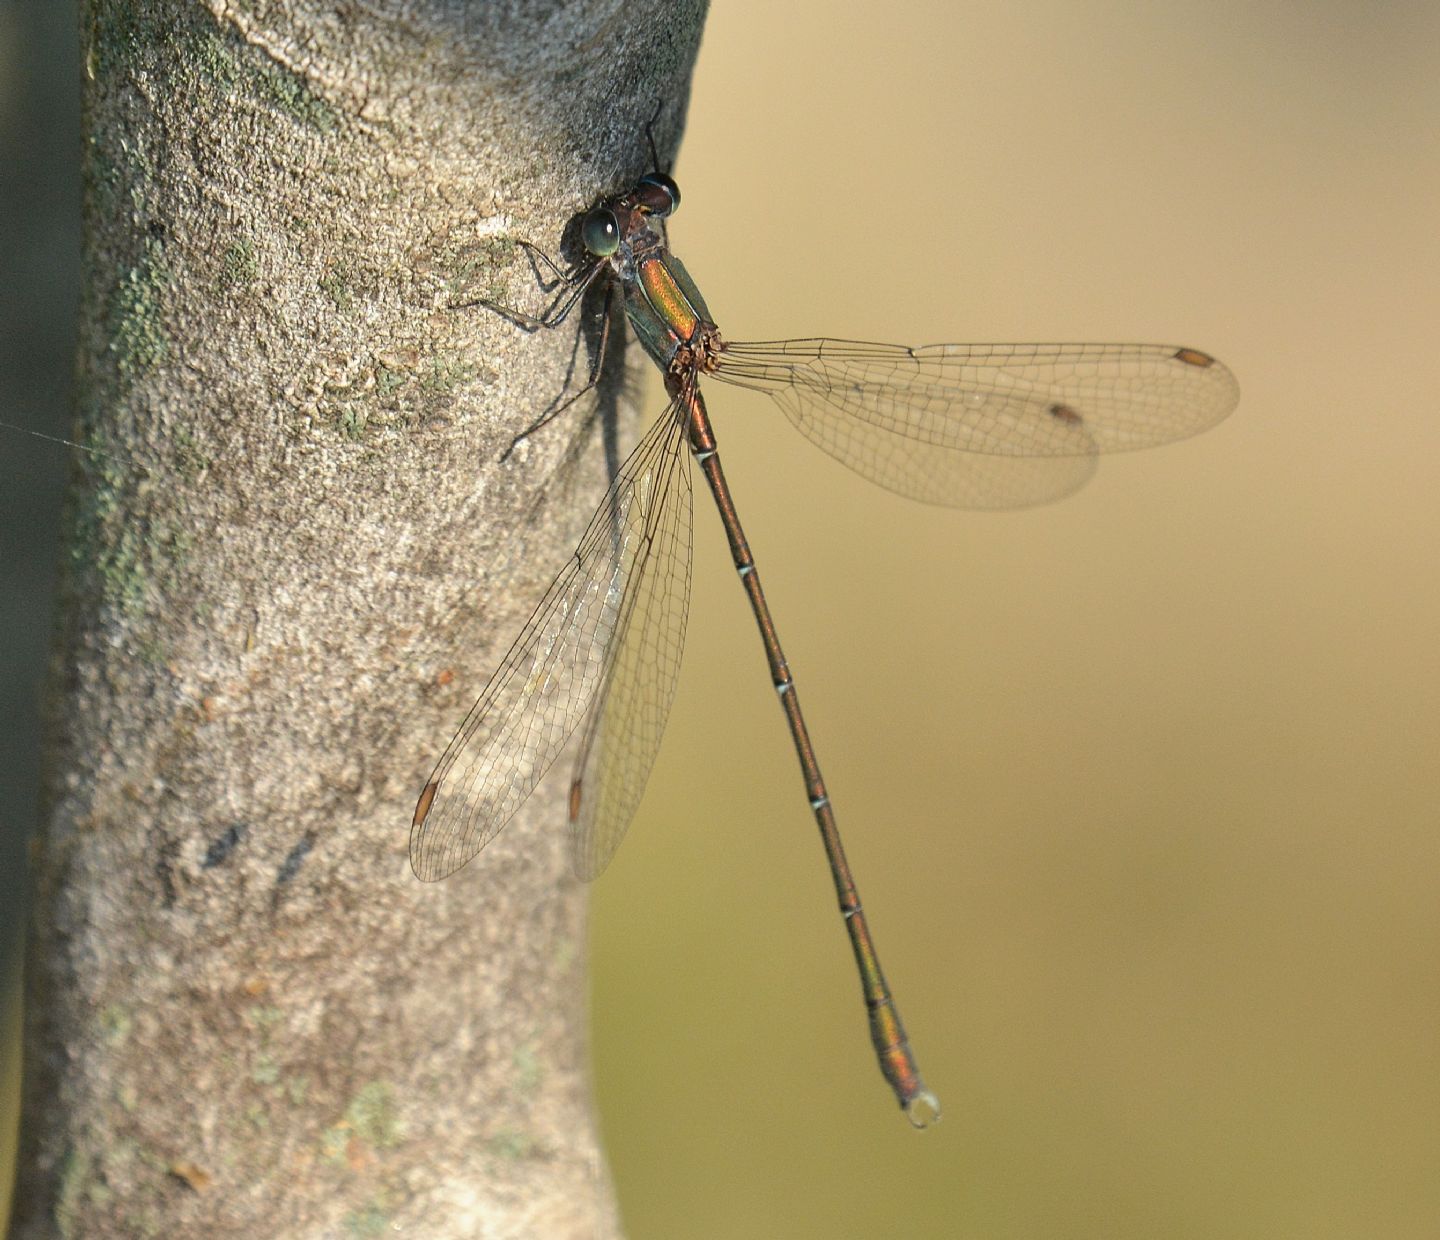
column 221, row 848
column 296, row 858
column 165, row 871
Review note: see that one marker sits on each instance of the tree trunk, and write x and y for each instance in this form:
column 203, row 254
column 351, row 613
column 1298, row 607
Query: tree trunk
column 294, row 553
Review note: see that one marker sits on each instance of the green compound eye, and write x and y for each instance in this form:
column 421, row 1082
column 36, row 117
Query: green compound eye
column 600, row 233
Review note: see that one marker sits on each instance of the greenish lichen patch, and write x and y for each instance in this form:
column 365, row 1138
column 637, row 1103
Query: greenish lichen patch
column 480, row 269
column 333, row 1143
column 371, row 1120
column 74, row 1173
column 128, row 554
column 151, row 651
column 353, row 421
column 373, row 1117
column 124, row 1155
column 123, row 33
column 126, row 35
column 565, row 954
column 336, row 285
column 100, row 175
column 494, row 250
column 138, row 339
column 257, row 1117
column 291, row 94
column 398, row 387
column 81, row 1187
column 444, row 374
column 115, row 1024
column 190, row 459
column 215, row 63
column 266, row 1063
column 527, row 1069
column 512, row 1145
column 266, row 1016
column 390, row 379
column 104, row 544
column 370, row 1220
column 238, row 267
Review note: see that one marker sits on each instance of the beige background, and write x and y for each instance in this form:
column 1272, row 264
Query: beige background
column 1140, row 789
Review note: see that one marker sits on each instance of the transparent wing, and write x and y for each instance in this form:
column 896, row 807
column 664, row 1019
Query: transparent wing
column 549, row 679
column 627, row 719
column 988, row 425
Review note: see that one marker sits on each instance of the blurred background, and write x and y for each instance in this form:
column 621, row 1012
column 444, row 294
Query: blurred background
column 1140, row 789
column 39, row 294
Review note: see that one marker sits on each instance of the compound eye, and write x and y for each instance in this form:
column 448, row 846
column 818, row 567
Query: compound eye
column 600, row 233
column 669, row 192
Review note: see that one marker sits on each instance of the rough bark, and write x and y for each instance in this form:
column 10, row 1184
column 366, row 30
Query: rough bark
column 292, row 560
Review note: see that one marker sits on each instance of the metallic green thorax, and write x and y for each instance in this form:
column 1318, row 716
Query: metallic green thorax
column 663, row 304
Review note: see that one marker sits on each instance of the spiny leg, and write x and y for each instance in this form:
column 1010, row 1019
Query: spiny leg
column 606, row 318
column 534, row 252
column 572, row 286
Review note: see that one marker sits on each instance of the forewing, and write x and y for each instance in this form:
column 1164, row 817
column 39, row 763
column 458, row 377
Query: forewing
column 627, row 719
column 983, row 426
column 549, row 679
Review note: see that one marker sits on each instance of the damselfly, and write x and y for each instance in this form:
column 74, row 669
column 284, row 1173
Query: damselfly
column 971, row 426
